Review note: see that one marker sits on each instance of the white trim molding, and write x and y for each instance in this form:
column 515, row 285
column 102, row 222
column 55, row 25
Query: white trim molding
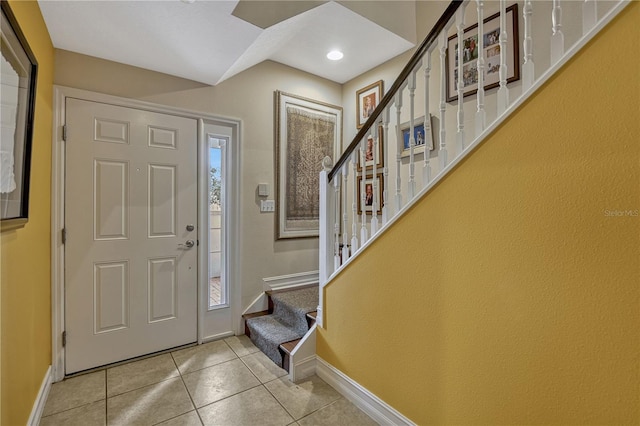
column 302, row 362
column 214, row 321
column 361, row 397
column 213, row 337
column 41, row 399
column 291, row 281
column 259, row 304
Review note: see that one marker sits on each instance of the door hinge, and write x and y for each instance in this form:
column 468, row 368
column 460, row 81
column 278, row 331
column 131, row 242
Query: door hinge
column 64, row 339
column 64, row 132
column 64, row 235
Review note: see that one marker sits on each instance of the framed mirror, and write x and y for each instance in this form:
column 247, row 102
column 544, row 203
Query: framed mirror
column 19, row 72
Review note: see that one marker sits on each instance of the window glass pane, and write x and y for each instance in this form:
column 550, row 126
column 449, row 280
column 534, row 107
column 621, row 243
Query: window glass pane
column 217, row 285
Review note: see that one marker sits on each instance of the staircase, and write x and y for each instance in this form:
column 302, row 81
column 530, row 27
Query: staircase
column 278, row 331
column 429, row 121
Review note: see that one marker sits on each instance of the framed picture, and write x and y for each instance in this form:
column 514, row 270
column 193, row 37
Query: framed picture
column 18, row 92
column 490, row 52
column 368, row 152
column 367, row 99
column 422, row 137
column 365, row 186
column 306, row 132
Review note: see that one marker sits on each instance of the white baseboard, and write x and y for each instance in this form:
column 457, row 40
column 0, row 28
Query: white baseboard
column 218, row 336
column 41, row 399
column 291, row 281
column 362, row 398
column 303, row 369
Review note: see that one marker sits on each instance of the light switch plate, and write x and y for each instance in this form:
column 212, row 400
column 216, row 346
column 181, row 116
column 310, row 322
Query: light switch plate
column 263, row 189
column 267, row 206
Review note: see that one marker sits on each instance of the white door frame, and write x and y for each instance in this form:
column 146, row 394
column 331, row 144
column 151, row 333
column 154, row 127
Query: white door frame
column 211, row 319
column 57, row 211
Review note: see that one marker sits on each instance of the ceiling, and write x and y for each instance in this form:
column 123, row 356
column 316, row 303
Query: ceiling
column 210, row 41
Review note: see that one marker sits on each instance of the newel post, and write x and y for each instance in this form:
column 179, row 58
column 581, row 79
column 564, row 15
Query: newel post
column 326, row 228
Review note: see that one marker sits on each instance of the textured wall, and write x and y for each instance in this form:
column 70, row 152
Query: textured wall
column 509, row 294
column 26, row 253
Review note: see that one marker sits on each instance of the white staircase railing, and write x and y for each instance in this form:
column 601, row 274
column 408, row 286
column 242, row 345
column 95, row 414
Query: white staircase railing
column 357, row 204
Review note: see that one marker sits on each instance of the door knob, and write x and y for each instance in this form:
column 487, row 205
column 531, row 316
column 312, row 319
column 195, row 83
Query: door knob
column 188, row 244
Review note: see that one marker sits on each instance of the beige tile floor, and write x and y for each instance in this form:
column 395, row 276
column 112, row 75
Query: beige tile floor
column 227, row 382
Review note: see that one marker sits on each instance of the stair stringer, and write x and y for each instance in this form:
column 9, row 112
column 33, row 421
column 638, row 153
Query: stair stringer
column 302, row 362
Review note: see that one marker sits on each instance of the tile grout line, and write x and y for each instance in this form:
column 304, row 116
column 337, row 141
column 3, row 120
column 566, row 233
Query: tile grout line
column 308, row 414
column 295, row 420
column 106, row 398
column 276, row 398
column 260, row 384
column 187, row 389
column 72, row 408
column 237, row 357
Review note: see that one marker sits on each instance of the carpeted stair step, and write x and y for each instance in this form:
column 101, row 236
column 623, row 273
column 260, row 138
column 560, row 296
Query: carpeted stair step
column 311, row 318
column 267, row 333
column 246, row 317
column 292, row 307
column 288, row 322
column 287, row 347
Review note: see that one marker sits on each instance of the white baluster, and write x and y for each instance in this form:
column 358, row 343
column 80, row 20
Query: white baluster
column 364, row 235
column 400, row 144
column 426, row 169
column 442, row 41
column 412, row 140
column 557, row 38
column 460, row 86
column 374, row 206
column 481, row 115
column 527, row 67
column 354, row 205
column 345, row 234
column 326, row 207
column 589, row 15
column 336, row 225
column 503, row 92
column 385, row 155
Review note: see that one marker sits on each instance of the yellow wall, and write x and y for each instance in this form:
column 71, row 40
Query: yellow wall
column 26, row 265
column 527, row 310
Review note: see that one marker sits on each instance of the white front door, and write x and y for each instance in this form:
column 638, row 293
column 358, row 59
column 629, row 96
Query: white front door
column 131, row 228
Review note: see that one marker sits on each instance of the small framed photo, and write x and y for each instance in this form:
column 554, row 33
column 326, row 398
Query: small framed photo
column 367, row 99
column 423, row 137
column 490, row 53
column 368, row 152
column 365, row 193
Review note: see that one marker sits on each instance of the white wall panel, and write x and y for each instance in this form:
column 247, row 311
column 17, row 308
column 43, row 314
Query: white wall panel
column 162, row 292
column 111, row 200
column 111, row 296
column 162, row 200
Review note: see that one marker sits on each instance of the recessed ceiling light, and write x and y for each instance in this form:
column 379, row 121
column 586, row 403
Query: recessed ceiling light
column 335, row 55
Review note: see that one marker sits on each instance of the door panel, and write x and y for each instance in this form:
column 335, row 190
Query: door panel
column 131, row 191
